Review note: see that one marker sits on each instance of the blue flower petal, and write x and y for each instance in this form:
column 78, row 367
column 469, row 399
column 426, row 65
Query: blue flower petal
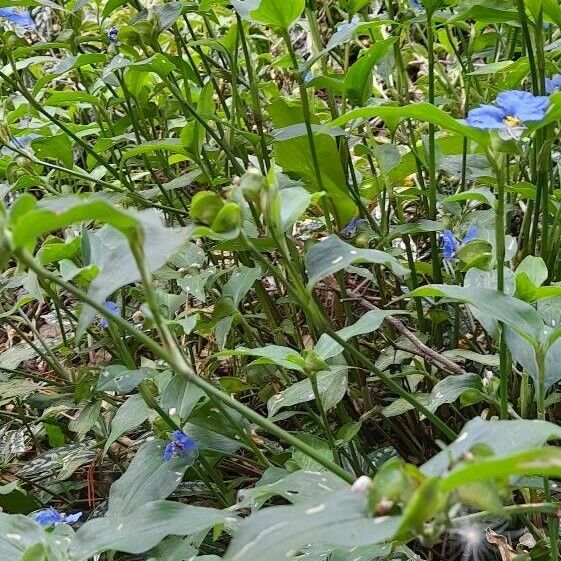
column 17, row 18
column 523, row 105
column 168, row 451
column 72, row 518
column 350, row 228
column 553, row 84
column 470, row 235
column 24, row 141
column 48, row 517
column 180, row 445
column 449, row 245
column 486, row 117
column 112, row 308
column 112, row 35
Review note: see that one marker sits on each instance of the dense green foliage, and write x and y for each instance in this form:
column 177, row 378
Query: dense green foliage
column 280, row 280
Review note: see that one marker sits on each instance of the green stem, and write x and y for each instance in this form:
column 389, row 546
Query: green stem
column 178, row 364
column 498, row 162
column 432, row 190
column 306, row 114
column 255, row 103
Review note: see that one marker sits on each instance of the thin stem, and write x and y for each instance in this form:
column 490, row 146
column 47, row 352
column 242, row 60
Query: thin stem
column 179, row 365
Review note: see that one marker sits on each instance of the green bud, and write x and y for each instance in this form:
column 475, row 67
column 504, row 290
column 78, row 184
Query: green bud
column 205, row 207
column 251, row 184
column 228, row 218
column 313, row 362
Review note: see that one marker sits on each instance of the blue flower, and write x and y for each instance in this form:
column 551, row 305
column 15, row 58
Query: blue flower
column 22, row 142
column 19, row 19
column 416, row 5
column 112, row 35
column 450, row 244
column 553, row 84
column 351, row 227
column 512, row 109
column 111, row 307
column 180, row 445
column 52, row 517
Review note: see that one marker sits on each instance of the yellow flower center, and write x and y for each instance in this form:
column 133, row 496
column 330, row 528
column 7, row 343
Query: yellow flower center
column 409, row 181
column 511, row 121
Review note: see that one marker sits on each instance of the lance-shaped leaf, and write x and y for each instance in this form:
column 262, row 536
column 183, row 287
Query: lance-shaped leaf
column 422, row 112
column 502, row 437
column 110, row 251
column 143, row 528
column 342, row 520
column 332, row 255
column 517, row 314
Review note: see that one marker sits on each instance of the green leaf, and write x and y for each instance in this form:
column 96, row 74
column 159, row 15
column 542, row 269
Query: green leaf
column 270, row 12
column 492, row 68
column 502, row 437
column 55, row 249
column 118, row 378
column 332, row 255
column 420, row 111
column 480, row 194
column 142, row 529
column 78, row 61
column 332, row 386
column 297, row 487
column 486, row 11
column 110, row 251
column 358, row 79
column 205, row 207
column 342, row 520
column 426, row 502
column 17, row 534
column 538, row 461
column 148, row 478
column 293, row 203
column 14, row 500
column 515, row 313
column 534, row 268
column 271, row 354
column 446, row 391
column 57, row 147
column 172, row 145
column 130, row 415
column 294, row 156
column 54, row 214
column 240, row 282
column 180, row 396
column 111, row 6
column 326, row 347
column 64, row 99
column 36, row 552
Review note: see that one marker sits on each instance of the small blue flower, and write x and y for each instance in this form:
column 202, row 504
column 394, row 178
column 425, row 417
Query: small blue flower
column 553, row 84
column 450, row 244
column 351, row 227
column 52, row 517
column 111, row 307
column 112, row 35
column 17, row 18
column 22, row 142
column 180, row 445
column 416, row 4
column 512, row 109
